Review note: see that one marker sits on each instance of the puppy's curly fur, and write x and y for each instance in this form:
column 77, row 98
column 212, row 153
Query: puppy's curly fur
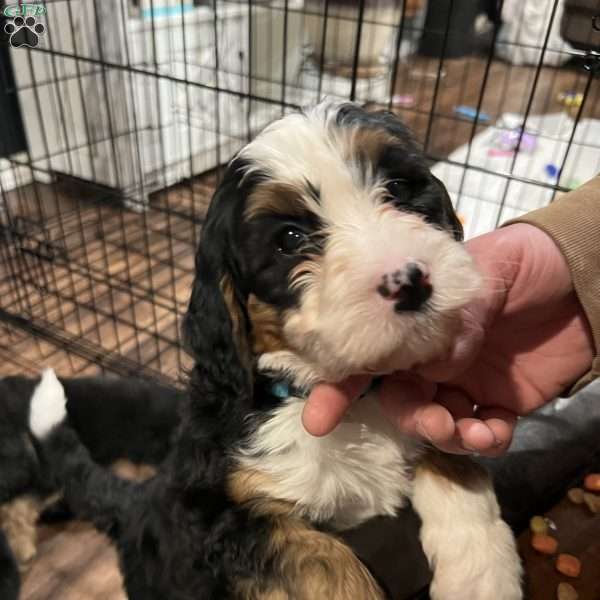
column 328, row 250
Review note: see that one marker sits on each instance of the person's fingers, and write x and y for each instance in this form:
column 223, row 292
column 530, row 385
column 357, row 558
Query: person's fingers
column 489, row 432
column 453, row 446
column 456, row 401
column 427, row 420
column 408, row 403
column 475, row 435
column 460, row 407
column 327, row 404
column 502, row 424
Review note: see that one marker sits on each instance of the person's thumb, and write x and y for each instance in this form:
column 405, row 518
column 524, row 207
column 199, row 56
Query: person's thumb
column 327, row 404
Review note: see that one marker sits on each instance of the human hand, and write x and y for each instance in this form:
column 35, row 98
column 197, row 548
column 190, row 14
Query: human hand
column 522, row 342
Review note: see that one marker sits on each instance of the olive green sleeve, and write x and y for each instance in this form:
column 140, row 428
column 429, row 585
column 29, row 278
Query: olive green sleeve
column 573, row 221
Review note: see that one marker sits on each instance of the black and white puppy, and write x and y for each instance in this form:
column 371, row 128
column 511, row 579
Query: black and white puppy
column 115, row 418
column 329, row 250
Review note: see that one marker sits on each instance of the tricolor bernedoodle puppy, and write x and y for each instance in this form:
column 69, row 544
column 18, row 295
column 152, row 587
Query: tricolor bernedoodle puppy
column 329, row 250
column 115, row 418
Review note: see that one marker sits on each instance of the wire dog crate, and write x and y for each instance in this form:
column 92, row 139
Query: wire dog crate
column 118, row 114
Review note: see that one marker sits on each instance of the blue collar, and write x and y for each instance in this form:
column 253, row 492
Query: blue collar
column 283, row 389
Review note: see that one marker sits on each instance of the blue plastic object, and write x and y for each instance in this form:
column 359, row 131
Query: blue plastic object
column 471, row 113
column 551, row 170
column 166, row 11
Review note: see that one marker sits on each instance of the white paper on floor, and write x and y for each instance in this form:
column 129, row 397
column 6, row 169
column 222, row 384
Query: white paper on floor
column 478, row 196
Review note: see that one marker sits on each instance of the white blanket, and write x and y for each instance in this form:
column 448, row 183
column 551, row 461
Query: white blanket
column 478, row 196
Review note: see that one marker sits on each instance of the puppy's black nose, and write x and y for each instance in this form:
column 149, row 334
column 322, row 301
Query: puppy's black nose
column 407, row 288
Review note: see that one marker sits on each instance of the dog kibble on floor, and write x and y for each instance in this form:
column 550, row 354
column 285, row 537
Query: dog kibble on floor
column 565, row 591
column 592, row 482
column 568, row 565
column 592, row 501
column 575, row 495
column 572, row 571
column 545, row 544
column 538, row 525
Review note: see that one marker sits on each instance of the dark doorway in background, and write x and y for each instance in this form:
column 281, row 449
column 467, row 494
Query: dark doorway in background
column 12, row 135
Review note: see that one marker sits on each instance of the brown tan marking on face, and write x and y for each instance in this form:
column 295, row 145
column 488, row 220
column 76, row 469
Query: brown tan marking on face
column 267, row 326
column 275, row 197
column 366, row 145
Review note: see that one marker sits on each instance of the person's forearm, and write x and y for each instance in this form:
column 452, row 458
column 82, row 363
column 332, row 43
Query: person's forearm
column 573, row 221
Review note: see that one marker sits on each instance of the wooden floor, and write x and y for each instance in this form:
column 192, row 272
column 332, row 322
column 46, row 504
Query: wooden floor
column 117, row 282
column 74, row 562
column 114, row 280
column 507, row 89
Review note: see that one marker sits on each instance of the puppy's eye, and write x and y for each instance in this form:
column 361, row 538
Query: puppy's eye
column 399, row 190
column 290, row 240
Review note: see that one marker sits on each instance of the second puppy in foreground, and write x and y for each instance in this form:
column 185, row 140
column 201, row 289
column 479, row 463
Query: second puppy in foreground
column 329, row 249
column 123, row 421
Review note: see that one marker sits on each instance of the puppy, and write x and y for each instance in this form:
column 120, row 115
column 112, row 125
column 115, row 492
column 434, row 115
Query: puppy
column 115, row 418
column 328, row 250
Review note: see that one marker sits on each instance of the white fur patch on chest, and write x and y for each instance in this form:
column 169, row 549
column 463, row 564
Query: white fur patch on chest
column 358, row 471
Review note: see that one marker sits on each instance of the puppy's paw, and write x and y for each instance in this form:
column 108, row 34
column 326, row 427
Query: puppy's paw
column 489, row 568
column 48, row 405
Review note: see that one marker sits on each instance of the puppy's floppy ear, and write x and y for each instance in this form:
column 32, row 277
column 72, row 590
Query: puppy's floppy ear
column 215, row 328
column 452, row 222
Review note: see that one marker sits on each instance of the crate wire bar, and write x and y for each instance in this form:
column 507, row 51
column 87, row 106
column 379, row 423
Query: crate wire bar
column 129, row 109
